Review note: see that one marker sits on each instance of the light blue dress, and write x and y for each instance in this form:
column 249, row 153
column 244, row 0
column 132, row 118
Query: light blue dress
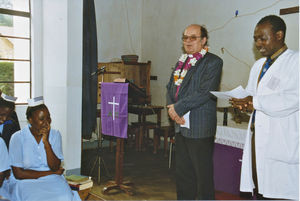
column 25, row 152
column 4, row 165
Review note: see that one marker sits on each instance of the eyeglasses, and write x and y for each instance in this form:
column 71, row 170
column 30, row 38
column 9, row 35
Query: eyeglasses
column 192, row 38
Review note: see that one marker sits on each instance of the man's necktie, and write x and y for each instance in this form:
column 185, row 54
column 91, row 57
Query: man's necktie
column 264, row 70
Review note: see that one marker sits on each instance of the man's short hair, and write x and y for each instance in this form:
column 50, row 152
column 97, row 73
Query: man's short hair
column 204, row 33
column 277, row 23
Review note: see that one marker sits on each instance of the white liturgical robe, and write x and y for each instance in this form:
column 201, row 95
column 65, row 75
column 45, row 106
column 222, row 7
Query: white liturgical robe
column 276, row 101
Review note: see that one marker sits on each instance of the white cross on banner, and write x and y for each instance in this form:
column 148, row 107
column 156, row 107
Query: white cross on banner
column 114, row 104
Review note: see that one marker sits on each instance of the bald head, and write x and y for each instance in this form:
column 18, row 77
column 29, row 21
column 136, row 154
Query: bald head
column 194, row 38
column 203, row 30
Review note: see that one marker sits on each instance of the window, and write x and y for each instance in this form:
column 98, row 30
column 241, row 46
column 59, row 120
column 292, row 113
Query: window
column 15, row 49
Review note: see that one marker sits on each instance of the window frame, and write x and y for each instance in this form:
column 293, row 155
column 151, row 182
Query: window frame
column 27, row 15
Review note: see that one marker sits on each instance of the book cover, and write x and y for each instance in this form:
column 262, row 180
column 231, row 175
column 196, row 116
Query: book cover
column 77, row 178
column 82, row 186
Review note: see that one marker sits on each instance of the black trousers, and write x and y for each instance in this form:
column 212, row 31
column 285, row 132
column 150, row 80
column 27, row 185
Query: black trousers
column 194, row 168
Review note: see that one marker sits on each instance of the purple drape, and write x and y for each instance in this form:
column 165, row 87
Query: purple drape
column 114, row 109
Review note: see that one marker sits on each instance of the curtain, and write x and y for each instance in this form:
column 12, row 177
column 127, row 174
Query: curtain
column 89, row 70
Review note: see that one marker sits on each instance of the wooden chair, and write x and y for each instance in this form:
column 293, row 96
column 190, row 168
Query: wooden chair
column 132, row 132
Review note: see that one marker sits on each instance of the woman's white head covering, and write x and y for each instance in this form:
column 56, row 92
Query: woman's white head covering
column 35, row 101
column 9, row 98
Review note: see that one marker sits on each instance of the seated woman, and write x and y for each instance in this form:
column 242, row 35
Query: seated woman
column 4, row 171
column 36, row 154
column 8, row 123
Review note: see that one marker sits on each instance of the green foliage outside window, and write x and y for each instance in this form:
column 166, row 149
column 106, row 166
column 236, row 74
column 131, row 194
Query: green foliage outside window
column 6, row 20
column 7, row 74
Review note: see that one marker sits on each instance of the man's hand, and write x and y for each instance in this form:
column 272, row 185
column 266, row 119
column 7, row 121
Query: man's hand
column 244, row 104
column 171, row 111
column 180, row 120
column 174, row 116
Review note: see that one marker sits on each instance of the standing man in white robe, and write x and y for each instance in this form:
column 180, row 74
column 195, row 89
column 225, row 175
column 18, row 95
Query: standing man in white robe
column 270, row 164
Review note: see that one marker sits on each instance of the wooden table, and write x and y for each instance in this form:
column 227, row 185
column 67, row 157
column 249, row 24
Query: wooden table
column 142, row 112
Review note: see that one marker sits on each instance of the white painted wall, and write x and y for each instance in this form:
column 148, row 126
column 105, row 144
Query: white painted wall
column 57, row 70
column 118, row 28
column 163, row 22
column 74, row 84
column 62, row 64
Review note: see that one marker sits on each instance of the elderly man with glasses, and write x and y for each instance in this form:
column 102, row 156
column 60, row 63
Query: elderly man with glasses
column 193, row 108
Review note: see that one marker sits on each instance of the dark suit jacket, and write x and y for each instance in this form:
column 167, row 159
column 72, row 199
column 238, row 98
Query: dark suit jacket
column 194, row 96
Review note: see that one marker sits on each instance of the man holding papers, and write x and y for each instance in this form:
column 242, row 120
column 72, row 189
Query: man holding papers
column 271, row 153
column 192, row 107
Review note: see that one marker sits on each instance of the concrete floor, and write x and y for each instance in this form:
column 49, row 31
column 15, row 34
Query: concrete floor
column 149, row 173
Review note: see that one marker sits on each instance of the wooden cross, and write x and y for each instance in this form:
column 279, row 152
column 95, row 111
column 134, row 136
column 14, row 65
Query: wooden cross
column 290, row 10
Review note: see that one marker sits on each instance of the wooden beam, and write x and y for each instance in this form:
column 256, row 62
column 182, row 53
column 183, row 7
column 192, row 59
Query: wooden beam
column 14, row 12
column 290, row 10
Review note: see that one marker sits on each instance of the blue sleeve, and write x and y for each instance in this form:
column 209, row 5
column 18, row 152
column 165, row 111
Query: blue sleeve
column 56, row 144
column 16, row 150
column 5, row 162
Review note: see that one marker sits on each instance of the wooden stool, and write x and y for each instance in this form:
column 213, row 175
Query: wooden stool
column 166, row 132
column 139, row 137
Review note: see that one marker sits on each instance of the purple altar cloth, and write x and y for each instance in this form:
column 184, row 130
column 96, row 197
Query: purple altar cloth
column 114, row 109
column 227, row 168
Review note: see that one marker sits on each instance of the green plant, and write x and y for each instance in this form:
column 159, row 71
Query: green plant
column 7, row 74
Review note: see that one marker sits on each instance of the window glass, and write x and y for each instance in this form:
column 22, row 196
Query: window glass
column 23, row 92
column 22, row 89
column 14, row 71
column 15, row 48
column 14, row 26
column 19, row 5
column 12, row 48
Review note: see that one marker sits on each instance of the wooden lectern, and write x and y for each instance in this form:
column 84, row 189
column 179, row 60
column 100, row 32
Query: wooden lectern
column 138, row 77
column 118, row 183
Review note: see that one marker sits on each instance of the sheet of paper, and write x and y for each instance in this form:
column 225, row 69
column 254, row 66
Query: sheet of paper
column 187, row 120
column 238, row 92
